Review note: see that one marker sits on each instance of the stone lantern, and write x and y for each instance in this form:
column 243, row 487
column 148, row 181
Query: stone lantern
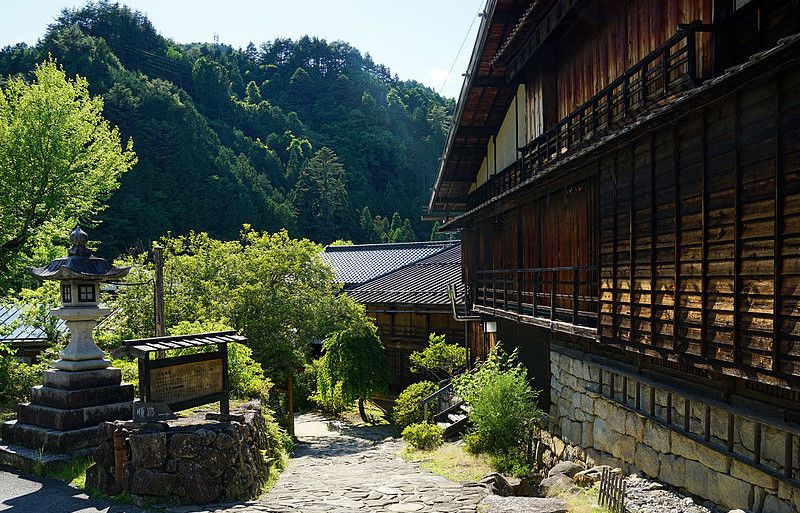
column 63, row 419
column 80, row 275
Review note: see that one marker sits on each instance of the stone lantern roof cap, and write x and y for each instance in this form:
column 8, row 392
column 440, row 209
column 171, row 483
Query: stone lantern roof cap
column 80, row 264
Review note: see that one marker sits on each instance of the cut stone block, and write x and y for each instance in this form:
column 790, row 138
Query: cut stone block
column 35, row 461
column 67, row 380
column 68, row 399
column 65, row 420
column 50, row 440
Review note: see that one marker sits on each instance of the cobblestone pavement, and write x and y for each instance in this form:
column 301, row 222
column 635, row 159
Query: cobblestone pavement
column 338, row 469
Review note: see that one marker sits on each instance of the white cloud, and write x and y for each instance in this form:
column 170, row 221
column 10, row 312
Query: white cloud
column 437, row 76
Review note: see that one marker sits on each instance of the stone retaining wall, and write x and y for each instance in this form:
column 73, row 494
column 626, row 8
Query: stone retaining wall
column 189, row 461
column 585, row 425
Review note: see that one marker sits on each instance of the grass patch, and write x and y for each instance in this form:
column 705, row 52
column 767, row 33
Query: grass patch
column 8, row 412
column 73, row 473
column 451, row 461
column 583, row 500
column 351, row 416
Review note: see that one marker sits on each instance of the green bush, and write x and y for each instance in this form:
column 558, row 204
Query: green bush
column 305, row 387
column 513, row 462
column 503, row 404
column 423, row 436
column 439, row 359
column 130, row 371
column 17, row 377
column 332, row 402
column 407, row 407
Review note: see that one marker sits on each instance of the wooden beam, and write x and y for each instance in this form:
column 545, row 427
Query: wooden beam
column 632, row 246
column 494, row 82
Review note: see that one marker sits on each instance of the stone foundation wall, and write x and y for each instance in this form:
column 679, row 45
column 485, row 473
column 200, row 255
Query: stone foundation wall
column 585, row 425
column 189, row 461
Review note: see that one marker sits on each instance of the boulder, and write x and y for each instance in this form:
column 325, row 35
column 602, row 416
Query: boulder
column 568, row 468
column 555, row 484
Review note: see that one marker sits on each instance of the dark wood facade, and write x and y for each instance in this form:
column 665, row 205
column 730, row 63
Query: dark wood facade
column 654, row 213
column 406, row 331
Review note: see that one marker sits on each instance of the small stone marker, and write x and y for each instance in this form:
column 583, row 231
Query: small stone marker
column 150, row 411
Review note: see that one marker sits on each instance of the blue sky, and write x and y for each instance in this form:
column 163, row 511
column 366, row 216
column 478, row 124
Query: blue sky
column 417, row 39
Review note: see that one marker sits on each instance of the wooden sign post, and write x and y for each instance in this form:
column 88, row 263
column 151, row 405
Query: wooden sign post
column 184, row 381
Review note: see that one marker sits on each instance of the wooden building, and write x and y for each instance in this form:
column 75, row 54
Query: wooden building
column 412, row 302
column 404, row 289
column 626, row 178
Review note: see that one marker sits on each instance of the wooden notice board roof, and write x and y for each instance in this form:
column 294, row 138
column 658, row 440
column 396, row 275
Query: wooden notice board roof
column 141, row 347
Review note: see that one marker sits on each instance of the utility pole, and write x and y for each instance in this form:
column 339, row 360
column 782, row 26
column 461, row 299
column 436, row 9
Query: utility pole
column 158, row 295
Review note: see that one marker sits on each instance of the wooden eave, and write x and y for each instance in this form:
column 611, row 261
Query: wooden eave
column 572, row 167
column 481, row 106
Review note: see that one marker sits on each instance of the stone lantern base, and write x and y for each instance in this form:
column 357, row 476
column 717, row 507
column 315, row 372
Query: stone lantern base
column 64, row 416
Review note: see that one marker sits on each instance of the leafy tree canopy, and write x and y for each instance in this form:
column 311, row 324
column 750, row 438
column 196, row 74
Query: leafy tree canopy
column 353, row 359
column 439, row 359
column 59, row 160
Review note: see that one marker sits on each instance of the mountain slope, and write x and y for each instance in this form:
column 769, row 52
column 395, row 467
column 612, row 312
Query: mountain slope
column 223, row 135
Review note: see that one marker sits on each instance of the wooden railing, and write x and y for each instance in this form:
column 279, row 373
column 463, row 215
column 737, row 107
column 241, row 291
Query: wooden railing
column 439, row 400
column 419, row 334
column 667, row 71
column 563, row 294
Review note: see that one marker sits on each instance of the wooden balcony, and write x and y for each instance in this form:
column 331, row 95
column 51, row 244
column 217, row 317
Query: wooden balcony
column 561, row 298
column 664, row 73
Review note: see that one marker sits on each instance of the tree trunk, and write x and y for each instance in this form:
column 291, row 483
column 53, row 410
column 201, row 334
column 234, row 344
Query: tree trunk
column 361, row 411
column 290, row 403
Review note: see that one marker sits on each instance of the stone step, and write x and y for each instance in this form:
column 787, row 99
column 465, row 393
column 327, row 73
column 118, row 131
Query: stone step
column 68, row 399
column 76, row 418
column 34, row 461
column 50, row 440
column 79, row 380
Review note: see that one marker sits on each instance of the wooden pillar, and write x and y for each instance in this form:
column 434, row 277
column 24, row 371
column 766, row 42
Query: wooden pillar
column 158, row 296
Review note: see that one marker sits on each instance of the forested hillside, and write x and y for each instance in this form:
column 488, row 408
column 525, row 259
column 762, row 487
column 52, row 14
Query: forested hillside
column 309, row 135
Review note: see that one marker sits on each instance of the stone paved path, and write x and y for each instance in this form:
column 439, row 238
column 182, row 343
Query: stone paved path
column 342, row 469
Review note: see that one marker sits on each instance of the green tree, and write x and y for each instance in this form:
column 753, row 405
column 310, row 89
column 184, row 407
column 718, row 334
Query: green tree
column 354, row 359
column 252, row 94
column 59, row 161
column 320, row 198
column 439, row 359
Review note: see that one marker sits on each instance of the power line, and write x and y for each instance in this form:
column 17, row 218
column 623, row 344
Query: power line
column 461, row 48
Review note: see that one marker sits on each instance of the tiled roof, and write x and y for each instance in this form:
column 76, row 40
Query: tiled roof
column 422, row 282
column 362, row 262
column 21, row 334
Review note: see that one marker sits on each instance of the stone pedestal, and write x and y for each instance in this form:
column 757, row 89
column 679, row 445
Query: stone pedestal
column 64, row 416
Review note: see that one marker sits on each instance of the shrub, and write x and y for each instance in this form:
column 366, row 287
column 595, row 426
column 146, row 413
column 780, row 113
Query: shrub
column 305, row 387
column 333, row 402
column 513, row 462
column 17, row 377
column 439, row 359
column 423, row 436
column 503, row 404
column 407, row 407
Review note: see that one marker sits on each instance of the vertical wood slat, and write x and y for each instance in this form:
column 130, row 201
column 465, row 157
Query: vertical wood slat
column 737, row 230
column 703, row 239
column 677, row 237
column 777, row 284
column 788, row 445
column 653, row 239
column 632, row 248
column 614, row 255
